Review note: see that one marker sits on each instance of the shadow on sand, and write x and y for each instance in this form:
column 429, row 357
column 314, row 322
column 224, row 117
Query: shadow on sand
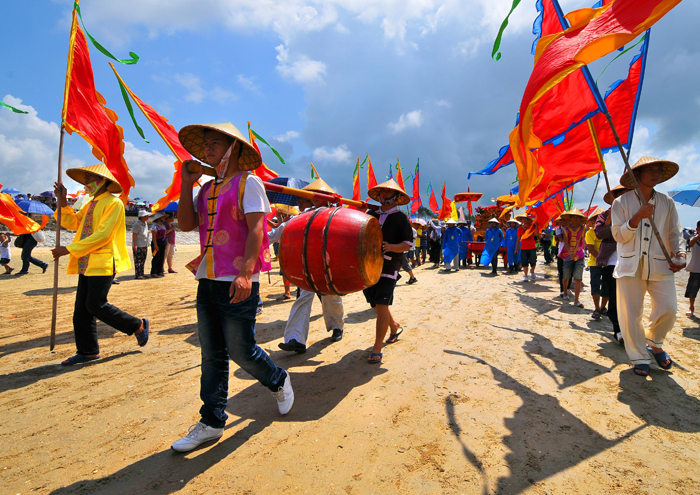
column 317, row 393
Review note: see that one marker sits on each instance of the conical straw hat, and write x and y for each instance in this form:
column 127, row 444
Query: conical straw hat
column 615, row 192
column 668, row 170
column 319, row 185
column 573, row 213
column 192, row 138
column 78, row 175
column 390, row 185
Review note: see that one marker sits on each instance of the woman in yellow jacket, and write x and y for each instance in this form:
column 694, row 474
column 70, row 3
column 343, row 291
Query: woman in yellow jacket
column 97, row 253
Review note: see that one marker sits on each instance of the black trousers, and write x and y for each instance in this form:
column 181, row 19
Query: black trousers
column 90, row 305
column 547, row 248
column 157, row 261
column 610, row 289
column 560, row 270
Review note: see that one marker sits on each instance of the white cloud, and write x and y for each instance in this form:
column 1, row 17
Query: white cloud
column 302, row 70
column 197, row 94
column 407, row 121
column 248, row 83
column 443, row 104
column 283, row 138
column 468, row 48
column 339, row 154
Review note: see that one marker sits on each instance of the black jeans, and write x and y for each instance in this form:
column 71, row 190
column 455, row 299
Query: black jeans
column 27, row 248
column 560, row 270
column 609, row 290
column 90, row 305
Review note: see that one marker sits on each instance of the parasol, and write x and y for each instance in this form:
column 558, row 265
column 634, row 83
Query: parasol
column 286, row 199
column 11, row 190
column 687, row 195
column 28, row 206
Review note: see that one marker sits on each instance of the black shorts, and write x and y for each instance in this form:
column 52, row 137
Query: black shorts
column 528, row 257
column 691, row 289
column 381, row 293
column 4, row 261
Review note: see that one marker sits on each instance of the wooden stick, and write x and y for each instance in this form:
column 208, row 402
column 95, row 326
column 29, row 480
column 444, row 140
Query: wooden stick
column 52, row 339
column 289, row 190
column 637, row 189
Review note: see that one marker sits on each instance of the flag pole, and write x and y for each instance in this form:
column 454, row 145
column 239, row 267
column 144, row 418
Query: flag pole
column 52, row 339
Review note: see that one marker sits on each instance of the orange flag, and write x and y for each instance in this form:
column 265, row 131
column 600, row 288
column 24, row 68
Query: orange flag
column 15, row 220
column 446, row 210
column 84, row 111
column 399, row 175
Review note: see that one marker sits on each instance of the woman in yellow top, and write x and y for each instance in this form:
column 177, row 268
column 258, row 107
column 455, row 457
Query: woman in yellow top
column 97, row 253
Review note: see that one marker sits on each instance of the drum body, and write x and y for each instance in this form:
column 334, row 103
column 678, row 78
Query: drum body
column 332, row 251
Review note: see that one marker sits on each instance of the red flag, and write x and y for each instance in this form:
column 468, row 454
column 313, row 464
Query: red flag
column 446, row 210
column 415, row 200
column 548, row 210
column 15, row 220
column 84, row 111
column 399, row 175
column 169, row 135
column 593, row 34
column 371, row 181
column 356, row 182
column 432, row 202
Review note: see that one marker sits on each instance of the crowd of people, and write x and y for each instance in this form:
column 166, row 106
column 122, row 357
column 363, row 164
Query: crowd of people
column 623, row 248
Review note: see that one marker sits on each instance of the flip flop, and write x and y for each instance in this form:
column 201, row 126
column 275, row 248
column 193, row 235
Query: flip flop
column 660, row 357
column 394, row 336
column 641, row 370
column 78, row 359
column 283, row 297
column 689, row 313
column 375, row 357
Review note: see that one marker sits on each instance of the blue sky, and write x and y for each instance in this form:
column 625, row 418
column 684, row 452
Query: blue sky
column 324, row 81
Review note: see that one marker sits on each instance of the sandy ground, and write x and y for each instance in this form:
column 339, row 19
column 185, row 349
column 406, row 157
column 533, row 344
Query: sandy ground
column 494, row 387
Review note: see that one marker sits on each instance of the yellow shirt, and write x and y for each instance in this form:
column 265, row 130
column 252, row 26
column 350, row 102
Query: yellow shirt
column 106, row 246
column 420, row 231
column 592, row 240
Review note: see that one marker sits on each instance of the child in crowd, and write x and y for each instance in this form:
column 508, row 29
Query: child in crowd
column 691, row 291
column 574, row 242
column 595, row 271
column 6, row 253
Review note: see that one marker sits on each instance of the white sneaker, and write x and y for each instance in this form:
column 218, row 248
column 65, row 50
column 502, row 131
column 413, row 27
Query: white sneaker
column 532, row 277
column 196, row 436
column 525, row 279
column 285, row 396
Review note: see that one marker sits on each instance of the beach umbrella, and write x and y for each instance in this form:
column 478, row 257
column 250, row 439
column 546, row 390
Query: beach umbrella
column 171, row 207
column 687, row 195
column 11, row 190
column 48, row 194
column 287, row 199
column 34, row 207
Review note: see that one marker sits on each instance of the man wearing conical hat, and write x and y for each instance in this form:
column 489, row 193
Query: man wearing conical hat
column 642, row 266
column 398, row 238
column 450, row 246
column 573, row 252
column 97, row 253
column 607, row 259
column 296, row 331
column 229, row 213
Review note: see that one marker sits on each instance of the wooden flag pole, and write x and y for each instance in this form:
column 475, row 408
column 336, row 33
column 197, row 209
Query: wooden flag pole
column 52, row 340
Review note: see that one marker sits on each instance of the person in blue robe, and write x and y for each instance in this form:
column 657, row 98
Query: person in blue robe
column 450, row 245
column 466, row 235
column 494, row 238
column 511, row 245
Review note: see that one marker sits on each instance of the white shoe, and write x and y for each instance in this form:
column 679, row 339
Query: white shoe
column 532, row 277
column 196, row 436
column 285, row 396
column 525, row 279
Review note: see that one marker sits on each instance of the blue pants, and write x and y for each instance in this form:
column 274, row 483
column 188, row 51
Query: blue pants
column 227, row 331
column 513, row 258
column 27, row 248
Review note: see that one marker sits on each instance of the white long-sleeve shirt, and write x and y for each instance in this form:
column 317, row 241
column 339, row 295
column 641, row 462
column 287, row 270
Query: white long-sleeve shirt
column 640, row 244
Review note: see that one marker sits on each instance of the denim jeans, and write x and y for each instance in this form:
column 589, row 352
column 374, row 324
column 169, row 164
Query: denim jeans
column 27, row 248
column 227, row 331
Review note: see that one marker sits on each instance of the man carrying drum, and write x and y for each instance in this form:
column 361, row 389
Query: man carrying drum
column 296, row 333
column 398, row 238
column 229, row 212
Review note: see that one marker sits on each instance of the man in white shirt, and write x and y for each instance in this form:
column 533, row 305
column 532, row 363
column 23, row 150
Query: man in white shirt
column 642, row 266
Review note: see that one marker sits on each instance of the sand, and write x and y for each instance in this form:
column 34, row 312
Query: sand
column 494, row 387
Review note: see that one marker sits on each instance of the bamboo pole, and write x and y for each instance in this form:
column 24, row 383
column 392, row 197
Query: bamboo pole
column 52, row 339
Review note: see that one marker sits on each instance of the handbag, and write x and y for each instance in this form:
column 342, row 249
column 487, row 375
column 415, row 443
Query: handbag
column 39, row 236
column 19, row 241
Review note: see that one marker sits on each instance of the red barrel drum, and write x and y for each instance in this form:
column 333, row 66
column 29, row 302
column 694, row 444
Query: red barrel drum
column 332, row 251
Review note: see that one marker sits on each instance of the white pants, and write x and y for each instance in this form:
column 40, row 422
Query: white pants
column 298, row 324
column 630, row 310
column 169, row 252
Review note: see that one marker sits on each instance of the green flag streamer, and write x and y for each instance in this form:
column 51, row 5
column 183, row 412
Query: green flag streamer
column 618, row 56
column 128, row 61
column 495, row 54
column 10, row 107
column 268, row 145
column 364, row 161
column 127, row 102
